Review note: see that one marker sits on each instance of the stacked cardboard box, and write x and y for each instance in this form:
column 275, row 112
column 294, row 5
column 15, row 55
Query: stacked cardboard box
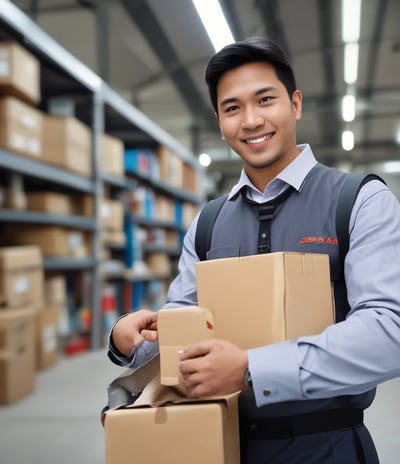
column 112, row 221
column 111, row 155
column 21, row 294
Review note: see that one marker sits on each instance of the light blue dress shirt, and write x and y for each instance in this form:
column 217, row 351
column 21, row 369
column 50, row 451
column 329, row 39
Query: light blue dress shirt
column 347, row 358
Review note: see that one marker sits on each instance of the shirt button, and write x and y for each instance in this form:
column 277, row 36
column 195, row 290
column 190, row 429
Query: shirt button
column 266, row 392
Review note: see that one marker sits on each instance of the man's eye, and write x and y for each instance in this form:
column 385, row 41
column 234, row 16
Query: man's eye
column 265, row 99
column 231, row 108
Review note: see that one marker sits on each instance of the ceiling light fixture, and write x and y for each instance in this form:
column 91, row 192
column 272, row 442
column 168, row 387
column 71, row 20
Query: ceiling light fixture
column 205, row 159
column 348, row 140
column 351, row 62
column 348, row 108
column 351, row 20
column 215, row 23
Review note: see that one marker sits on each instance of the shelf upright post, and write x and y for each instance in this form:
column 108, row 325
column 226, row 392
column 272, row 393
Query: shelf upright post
column 97, row 130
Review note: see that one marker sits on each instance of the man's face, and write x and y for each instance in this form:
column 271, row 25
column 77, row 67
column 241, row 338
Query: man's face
column 258, row 119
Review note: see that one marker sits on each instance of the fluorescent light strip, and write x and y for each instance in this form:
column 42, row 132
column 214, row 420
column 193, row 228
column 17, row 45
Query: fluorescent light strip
column 214, row 21
column 351, row 63
column 348, row 140
column 348, row 108
column 351, row 20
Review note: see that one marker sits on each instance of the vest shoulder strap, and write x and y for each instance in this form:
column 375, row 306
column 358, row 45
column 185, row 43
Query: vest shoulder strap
column 205, row 226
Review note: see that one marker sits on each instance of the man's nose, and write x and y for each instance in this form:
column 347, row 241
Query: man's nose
column 252, row 118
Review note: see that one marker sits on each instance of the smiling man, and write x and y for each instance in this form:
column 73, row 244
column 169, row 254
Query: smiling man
column 302, row 400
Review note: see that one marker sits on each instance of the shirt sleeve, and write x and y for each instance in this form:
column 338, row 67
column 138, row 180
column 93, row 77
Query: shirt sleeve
column 355, row 355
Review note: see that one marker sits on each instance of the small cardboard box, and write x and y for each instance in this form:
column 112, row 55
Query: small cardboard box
column 55, row 287
column 262, row 299
column 112, row 155
column 19, row 72
column 67, row 144
column 49, row 202
column 47, row 337
column 182, row 431
column 112, row 214
column 20, row 128
column 177, row 328
column 21, row 276
column 17, row 354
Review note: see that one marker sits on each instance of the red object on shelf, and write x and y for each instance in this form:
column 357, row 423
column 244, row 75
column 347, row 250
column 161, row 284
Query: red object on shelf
column 76, row 345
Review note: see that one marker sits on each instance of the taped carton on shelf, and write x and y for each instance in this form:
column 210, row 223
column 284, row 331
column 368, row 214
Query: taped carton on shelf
column 21, row 127
column 19, row 72
column 21, row 276
column 67, row 144
column 54, row 241
column 17, row 353
column 112, row 155
column 262, row 299
column 47, row 320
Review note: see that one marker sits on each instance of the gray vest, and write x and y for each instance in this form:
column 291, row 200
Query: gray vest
column 304, row 222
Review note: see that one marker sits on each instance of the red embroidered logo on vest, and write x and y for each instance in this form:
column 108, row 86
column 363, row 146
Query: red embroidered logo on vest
column 330, row 240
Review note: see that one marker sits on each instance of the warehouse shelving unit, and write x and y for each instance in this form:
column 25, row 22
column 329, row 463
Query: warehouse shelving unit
column 104, row 111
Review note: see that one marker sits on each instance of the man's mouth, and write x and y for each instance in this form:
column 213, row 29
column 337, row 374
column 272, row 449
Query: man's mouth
column 260, row 139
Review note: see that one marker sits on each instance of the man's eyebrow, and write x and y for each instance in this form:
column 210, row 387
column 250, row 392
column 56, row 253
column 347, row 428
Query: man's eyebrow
column 228, row 101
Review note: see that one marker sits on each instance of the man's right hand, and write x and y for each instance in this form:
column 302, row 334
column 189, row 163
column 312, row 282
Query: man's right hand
column 130, row 331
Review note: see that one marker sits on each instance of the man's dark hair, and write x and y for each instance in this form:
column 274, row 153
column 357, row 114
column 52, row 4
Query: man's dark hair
column 251, row 50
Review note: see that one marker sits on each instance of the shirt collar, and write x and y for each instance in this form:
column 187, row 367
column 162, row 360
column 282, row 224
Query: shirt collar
column 294, row 175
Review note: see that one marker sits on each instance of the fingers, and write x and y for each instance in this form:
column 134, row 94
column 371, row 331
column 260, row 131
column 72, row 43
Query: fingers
column 149, row 335
column 195, row 351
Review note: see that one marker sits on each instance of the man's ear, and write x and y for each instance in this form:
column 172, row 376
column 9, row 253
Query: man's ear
column 297, row 100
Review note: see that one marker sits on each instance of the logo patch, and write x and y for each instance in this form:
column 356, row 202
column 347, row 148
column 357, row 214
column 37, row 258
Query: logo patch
column 329, row 240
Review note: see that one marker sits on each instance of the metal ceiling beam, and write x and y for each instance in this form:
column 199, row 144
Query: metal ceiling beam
column 232, row 18
column 148, row 24
column 270, row 13
column 329, row 120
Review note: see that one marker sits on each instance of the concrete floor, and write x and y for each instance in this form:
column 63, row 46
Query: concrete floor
column 60, row 422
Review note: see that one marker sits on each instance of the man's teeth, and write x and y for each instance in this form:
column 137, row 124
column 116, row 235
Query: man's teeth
column 259, row 139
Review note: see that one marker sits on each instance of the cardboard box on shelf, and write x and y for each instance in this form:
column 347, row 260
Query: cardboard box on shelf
column 190, row 179
column 158, row 263
column 55, row 290
column 268, row 298
column 201, row 432
column 47, row 320
column 179, row 327
column 112, row 155
column 112, row 214
column 67, row 144
column 19, row 72
column 20, row 128
column 21, row 276
column 49, row 202
column 17, row 353
column 54, row 241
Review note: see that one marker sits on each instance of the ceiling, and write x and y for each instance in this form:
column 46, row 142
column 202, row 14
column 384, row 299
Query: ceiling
column 154, row 52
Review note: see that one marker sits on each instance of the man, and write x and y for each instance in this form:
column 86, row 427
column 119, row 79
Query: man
column 301, row 400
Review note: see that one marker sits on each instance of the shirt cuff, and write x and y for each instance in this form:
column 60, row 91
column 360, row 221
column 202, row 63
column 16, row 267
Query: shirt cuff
column 274, row 372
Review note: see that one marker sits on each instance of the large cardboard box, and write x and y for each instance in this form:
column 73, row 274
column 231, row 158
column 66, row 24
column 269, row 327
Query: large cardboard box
column 17, row 354
column 49, row 202
column 54, row 241
column 19, row 72
column 20, row 128
column 182, row 432
column 262, row 299
column 47, row 337
column 67, row 144
column 21, row 276
column 112, row 155
column 177, row 328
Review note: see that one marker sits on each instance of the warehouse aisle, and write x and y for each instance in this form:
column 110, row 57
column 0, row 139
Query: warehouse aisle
column 59, row 423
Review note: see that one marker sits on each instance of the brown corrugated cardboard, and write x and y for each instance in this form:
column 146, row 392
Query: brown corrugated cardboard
column 55, row 290
column 112, row 155
column 19, row 72
column 178, row 328
column 20, row 128
column 47, row 337
column 52, row 240
column 112, row 214
column 67, row 144
column 17, row 354
column 49, row 202
column 21, row 276
column 183, row 432
column 263, row 299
